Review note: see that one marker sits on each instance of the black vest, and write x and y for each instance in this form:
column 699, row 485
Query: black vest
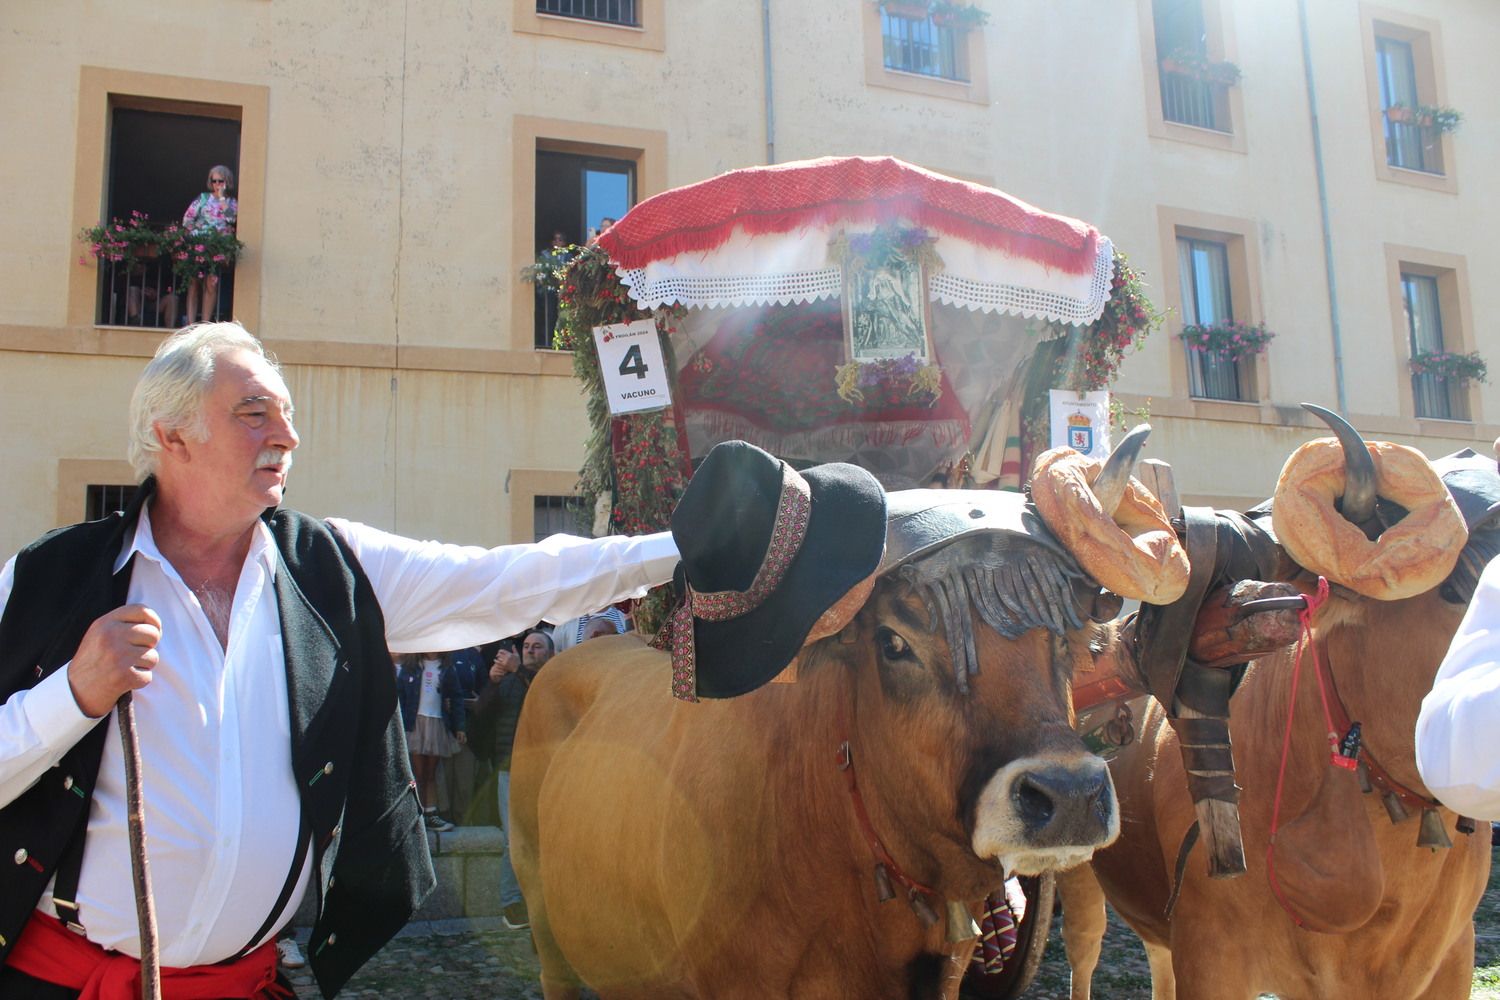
column 359, row 803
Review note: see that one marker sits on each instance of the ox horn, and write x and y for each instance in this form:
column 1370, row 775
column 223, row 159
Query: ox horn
column 1110, row 485
column 1359, row 467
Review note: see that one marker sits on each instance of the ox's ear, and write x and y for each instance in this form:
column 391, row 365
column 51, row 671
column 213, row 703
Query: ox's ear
column 837, row 619
column 1105, row 606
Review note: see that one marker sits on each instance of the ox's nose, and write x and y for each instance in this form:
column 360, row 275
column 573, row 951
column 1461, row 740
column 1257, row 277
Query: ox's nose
column 1064, row 805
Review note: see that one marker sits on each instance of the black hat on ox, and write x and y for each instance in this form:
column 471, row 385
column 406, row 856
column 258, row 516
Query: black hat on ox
column 765, row 552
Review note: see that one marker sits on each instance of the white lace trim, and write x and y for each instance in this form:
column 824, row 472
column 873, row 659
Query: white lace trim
column 973, row 277
column 730, row 290
column 956, row 290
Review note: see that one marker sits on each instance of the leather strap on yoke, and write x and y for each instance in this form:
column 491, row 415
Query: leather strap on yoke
column 1166, row 631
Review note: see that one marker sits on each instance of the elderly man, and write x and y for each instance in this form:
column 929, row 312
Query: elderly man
column 256, row 643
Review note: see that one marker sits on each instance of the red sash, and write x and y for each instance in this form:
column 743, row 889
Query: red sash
column 50, row 952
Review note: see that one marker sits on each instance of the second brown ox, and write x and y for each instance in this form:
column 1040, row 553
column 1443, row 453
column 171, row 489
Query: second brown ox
column 1357, row 908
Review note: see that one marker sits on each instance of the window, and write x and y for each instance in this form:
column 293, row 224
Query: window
column 556, row 515
column 102, row 180
column 632, row 24
column 1403, row 75
column 1189, row 94
column 574, row 195
column 158, row 163
column 1408, row 144
column 1203, row 270
column 918, row 45
column 607, row 11
column 1432, row 395
column 101, row 501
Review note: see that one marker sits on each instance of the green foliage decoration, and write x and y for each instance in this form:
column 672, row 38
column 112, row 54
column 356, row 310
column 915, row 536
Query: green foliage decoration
column 635, row 461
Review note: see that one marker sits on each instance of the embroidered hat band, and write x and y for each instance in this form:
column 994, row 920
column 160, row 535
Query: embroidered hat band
column 787, row 534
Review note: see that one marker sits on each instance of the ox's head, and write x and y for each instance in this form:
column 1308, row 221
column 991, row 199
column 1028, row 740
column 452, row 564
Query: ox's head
column 1385, row 636
column 960, row 664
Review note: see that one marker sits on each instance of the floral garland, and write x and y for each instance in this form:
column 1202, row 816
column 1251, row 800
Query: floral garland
column 1087, row 358
column 885, row 246
column 1230, row 340
column 633, row 462
column 1093, row 354
column 889, row 382
column 547, row 270
column 1447, row 365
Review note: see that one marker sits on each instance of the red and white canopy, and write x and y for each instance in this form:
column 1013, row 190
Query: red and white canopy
column 761, row 235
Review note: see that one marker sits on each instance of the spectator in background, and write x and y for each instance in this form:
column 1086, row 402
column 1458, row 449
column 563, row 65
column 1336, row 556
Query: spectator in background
column 599, row 625
column 211, row 211
column 456, row 773
column 604, row 224
column 499, row 708
column 571, row 632
column 433, row 712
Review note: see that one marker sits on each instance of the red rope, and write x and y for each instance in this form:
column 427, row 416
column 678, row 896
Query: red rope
column 845, row 761
column 1304, row 642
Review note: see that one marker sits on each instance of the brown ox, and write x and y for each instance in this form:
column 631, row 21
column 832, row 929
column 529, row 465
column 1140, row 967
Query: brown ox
column 712, row 850
column 1381, row 916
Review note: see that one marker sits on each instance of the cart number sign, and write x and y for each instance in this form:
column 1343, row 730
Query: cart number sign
column 635, row 376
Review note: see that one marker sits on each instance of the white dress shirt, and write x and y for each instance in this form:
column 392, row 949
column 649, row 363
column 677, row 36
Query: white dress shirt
column 222, row 809
column 1458, row 729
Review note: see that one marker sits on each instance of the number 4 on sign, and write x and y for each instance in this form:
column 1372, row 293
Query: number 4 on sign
column 633, row 363
column 634, row 371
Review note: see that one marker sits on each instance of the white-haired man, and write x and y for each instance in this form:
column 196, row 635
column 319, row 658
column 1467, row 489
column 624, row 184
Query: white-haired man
column 257, row 643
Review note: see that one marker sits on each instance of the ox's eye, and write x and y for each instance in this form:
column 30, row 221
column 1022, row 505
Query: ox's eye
column 892, row 645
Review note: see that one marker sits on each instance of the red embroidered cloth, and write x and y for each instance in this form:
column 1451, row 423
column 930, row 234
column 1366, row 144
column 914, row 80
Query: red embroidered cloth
column 789, row 196
column 50, row 952
column 773, row 368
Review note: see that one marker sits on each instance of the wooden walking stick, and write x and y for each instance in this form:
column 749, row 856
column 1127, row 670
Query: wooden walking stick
column 135, row 807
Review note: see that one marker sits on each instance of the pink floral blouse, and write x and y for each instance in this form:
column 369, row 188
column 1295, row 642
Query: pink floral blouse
column 208, row 213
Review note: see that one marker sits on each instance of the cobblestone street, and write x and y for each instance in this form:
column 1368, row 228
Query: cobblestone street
column 443, row 960
column 481, row 960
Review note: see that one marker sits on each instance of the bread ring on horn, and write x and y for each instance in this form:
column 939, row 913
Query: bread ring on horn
column 1411, row 557
column 1134, row 554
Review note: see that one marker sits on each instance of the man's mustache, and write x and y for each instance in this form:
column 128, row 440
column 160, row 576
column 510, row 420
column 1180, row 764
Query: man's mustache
column 274, row 457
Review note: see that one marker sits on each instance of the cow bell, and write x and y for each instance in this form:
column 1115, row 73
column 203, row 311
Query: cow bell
column 1465, row 824
column 1432, row 834
column 1393, row 807
column 961, row 924
column 884, row 891
column 922, row 908
column 1363, row 774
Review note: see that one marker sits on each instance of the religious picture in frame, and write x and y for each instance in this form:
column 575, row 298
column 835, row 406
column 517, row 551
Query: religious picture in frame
column 885, row 310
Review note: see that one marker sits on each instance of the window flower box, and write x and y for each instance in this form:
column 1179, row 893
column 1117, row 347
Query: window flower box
column 916, row 10
column 1449, row 366
column 1442, row 119
column 960, row 16
column 1228, row 339
column 129, row 242
column 203, row 254
column 1220, row 73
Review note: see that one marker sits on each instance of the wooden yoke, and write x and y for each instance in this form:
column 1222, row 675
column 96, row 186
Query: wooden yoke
column 1202, row 731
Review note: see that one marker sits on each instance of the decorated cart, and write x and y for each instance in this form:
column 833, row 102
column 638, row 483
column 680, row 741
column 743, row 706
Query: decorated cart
column 842, row 309
column 931, row 330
